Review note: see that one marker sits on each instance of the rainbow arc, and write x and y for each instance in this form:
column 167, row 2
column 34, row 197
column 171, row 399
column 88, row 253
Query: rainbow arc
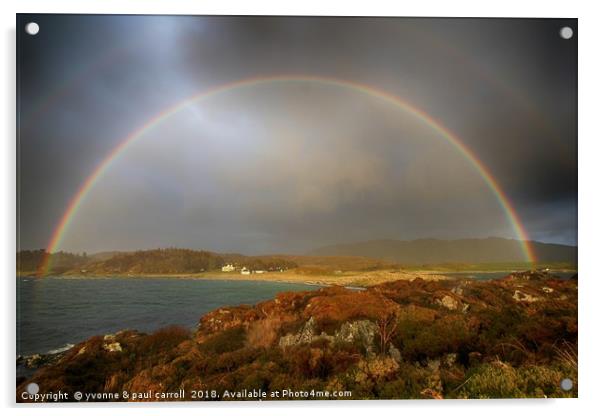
column 403, row 105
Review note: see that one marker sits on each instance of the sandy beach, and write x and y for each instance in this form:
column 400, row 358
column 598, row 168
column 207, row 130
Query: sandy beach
column 351, row 278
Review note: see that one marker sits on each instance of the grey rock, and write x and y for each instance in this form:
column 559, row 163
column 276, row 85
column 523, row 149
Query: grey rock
column 394, row 353
column 304, row 336
column 524, row 297
column 458, row 290
column 112, row 347
column 34, row 361
column 362, row 332
column 448, row 302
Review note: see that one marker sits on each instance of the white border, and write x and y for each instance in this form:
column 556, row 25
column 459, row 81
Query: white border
column 590, row 209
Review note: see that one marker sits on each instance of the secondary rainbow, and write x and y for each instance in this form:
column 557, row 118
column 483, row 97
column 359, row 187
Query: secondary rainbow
column 365, row 89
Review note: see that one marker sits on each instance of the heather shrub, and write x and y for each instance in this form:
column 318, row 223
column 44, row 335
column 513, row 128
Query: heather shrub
column 327, row 325
column 491, row 381
column 500, row 380
column 228, row 340
column 263, row 333
column 421, row 340
column 345, row 305
column 229, row 361
column 396, row 389
column 88, row 371
column 540, row 329
column 257, row 378
column 342, row 359
column 452, row 377
column 163, row 339
column 290, row 326
column 310, row 362
column 149, row 350
column 379, row 368
column 499, row 326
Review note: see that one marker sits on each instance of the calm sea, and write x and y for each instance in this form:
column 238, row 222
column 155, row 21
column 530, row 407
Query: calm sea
column 56, row 312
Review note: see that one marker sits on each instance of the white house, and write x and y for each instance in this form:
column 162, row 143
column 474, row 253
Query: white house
column 244, row 270
column 228, row 268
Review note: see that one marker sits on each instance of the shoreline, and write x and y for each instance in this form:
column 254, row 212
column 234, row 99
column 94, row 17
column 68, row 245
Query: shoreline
column 347, row 279
column 352, row 279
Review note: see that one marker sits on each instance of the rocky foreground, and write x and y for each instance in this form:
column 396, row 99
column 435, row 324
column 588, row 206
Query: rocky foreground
column 512, row 337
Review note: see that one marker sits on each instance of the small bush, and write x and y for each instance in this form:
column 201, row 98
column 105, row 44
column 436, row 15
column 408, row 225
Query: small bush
column 163, row 339
column 310, row 362
column 232, row 360
column 420, row 340
column 226, row 341
column 263, row 333
column 499, row 380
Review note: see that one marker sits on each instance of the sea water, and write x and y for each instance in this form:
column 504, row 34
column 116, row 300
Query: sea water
column 54, row 313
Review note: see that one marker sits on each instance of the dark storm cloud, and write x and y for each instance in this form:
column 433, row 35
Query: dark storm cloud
column 506, row 87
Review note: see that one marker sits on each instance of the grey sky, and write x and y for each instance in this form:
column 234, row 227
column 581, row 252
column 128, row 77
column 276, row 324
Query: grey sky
column 287, row 167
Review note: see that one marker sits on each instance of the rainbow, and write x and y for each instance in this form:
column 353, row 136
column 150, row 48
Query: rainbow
column 88, row 184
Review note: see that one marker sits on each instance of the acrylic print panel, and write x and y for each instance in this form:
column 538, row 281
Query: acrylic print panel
column 279, row 208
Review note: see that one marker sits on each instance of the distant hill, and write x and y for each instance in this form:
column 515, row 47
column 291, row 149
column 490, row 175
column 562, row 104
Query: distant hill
column 434, row 251
column 158, row 261
column 361, row 256
column 29, row 261
column 105, row 255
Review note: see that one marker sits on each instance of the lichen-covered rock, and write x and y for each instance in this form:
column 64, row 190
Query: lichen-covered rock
column 537, row 275
column 112, row 347
column 356, row 332
column 521, row 296
column 40, row 360
column 448, row 302
column 458, row 290
column 307, row 332
column 304, row 336
column 362, row 332
column 394, row 353
column 34, row 360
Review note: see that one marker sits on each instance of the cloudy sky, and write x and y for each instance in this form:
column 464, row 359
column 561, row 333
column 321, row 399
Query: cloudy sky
column 291, row 166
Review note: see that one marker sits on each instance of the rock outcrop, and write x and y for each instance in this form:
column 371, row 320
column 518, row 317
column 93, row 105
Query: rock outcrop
column 355, row 332
column 538, row 275
column 521, row 296
column 448, row 302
